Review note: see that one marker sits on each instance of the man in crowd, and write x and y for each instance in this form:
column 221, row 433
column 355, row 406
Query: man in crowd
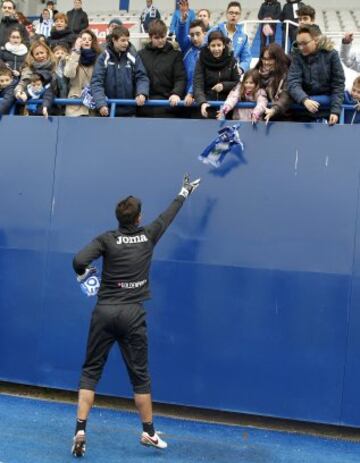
column 350, row 58
column 149, row 14
column 205, row 16
column 77, row 18
column 190, row 41
column 8, row 21
column 165, row 68
column 234, row 32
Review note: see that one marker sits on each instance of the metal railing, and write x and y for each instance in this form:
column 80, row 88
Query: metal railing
column 114, row 103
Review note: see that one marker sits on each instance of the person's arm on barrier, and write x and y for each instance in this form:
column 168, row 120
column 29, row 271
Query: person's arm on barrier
column 350, row 58
column 179, row 76
column 295, row 89
column 337, row 88
column 142, row 82
column 8, row 99
column 97, row 85
column 261, row 104
column 88, row 254
column 199, row 88
column 158, row 227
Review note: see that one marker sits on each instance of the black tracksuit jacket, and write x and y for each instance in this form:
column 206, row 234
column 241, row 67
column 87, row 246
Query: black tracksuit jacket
column 127, row 254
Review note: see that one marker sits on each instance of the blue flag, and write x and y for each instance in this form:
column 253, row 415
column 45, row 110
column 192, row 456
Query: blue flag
column 214, row 154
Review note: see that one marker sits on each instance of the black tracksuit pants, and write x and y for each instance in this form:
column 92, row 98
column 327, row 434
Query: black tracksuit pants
column 126, row 325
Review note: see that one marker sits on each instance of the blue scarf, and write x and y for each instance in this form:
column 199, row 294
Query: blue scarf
column 88, row 56
column 214, row 154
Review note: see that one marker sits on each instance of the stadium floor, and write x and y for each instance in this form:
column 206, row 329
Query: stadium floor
column 38, row 431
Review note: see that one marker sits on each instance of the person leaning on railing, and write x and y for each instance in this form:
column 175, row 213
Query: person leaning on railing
column 166, row 71
column 216, row 73
column 273, row 67
column 119, row 74
column 316, row 70
column 7, row 86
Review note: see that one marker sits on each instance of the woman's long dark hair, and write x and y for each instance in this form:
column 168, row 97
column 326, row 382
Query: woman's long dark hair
column 94, row 42
column 282, row 62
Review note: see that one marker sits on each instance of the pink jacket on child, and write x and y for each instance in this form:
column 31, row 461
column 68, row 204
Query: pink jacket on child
column 244, row 114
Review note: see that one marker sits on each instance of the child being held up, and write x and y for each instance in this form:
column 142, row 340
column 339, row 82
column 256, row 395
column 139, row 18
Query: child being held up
column 247, row 91
column 7, row 85
column 38, row 90
column 41, row 62
column 353, row 98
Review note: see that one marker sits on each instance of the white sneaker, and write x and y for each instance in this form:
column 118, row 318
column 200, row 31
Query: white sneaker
column 79, row 444
column 152, row 441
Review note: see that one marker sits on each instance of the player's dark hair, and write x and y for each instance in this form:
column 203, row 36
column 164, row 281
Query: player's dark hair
column 128, row 210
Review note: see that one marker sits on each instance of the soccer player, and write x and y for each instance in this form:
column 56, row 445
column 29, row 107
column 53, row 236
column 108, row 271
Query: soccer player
column 119, row 315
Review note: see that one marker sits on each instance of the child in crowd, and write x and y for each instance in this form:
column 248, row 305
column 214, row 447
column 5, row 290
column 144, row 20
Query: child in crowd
column 306, row 15
column 270, row 9
column 316, row 70
column 290, row 12
column 44, row 26
column 41, row 61
column 7, row 85
column 61, row 54
column 216, row 73
column 247, row 91
column 37, row 90
column 350, row 58
column 14, row 52
column 79, row 69
column 353, row 98
column 119, row 73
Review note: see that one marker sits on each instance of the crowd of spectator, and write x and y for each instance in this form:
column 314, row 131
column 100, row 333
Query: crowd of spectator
column 59, row 57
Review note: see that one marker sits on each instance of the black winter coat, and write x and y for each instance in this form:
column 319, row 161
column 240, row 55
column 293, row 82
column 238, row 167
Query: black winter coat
column 288, row 10
column 166, row 71
column 64, row 37
column 119, row 75
column 8, row 99
column 8, row 23
column 77, row 20
column 12, row 61
column 317, row 74
column 270, row 9
column 207, row 75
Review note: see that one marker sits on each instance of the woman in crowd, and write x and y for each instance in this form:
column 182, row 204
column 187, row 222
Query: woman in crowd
column 273, row 67
column 248, row 91
column 79, row 69
column 14, row 52
column 316, row 70
column 61, row 34
column 216, row 73
column 40, row 62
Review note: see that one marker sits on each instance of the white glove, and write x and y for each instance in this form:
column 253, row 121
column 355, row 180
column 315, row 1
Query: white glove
column 188, row 187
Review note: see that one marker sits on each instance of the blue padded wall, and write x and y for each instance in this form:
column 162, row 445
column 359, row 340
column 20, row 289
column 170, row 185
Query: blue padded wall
column 255, row 284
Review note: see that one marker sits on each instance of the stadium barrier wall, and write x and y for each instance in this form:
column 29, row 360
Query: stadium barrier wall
column 256, row 284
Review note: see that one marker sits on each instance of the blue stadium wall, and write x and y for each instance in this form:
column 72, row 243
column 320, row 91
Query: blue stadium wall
column 256, row 289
